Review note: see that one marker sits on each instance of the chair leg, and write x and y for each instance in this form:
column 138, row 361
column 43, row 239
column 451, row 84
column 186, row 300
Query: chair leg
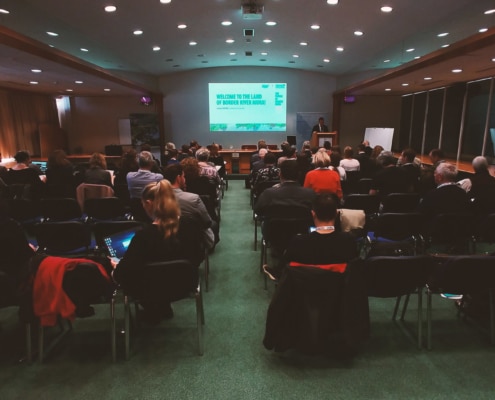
column 492, row 318
column 41, row 341
column 255, row 233
column 199, row 321
column 29, row 349
column 420, row 318
column 396, row 308
column 127, row 317
column 428, row 319
column 404, row 309
column 207, row 269
column 113, row 330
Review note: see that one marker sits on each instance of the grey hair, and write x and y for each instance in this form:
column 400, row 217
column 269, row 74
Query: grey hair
column 202, row 154
column 145, row 159
column 480, row 164
column 447, row 170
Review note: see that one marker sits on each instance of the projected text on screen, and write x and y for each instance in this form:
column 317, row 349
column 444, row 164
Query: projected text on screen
column 244, row 107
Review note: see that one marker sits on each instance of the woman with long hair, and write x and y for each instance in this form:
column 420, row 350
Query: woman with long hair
column 97, row 173
column 169, row 237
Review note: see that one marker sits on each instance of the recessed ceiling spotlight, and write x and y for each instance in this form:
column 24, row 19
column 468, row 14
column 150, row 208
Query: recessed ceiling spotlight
column 271, row 23
column 386, row 61
column 85, row 50
column 3, row 11
column 107, row 90
column 295, row 55
column 182, row 26
column 267, row 41
column 264, row 53
column 327, row 60
column 315, row 27
column 409, row 50
column 358, row 33
column 52, row 33
column 443, row 34
column 226, row 23
column 340, row 48
column 388, row 89
column 69, row 90
column 445, row 45
column 156, row 48
column 493, row 59
column 79, row 82
column 165, row 1
column 487, row 12
column 33, row 82
column 386, row 9
column 230, row 41
column 232, row 53
column 481, row 30
column 333, row 2
column 36, row 71
column 193, row 43
column 417, row 57
column 110, row 9
column 457, row 70
column 303, row 43
column 138, row 32
column 405, row 84
column 427, row 78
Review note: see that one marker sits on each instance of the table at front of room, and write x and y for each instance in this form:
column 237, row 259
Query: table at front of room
column 238, row 161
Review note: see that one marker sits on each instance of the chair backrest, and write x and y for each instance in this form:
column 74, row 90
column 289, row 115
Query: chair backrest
column 465, row 274
column 450, row 228
column 278, row 231
column 366, row 202
column 90, row 191
column 396, row 276
column 400, row 202
column 169, row 280
column 364, row 185
column 60, row 209
column 484, row 229
column 351, row 183
column 398, row 226
column 23, row 210
column 63, row 237
column 122, row 192
column 104, row 208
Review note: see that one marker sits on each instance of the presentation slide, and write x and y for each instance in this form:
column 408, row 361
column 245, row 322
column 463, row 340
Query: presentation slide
column 248, row 107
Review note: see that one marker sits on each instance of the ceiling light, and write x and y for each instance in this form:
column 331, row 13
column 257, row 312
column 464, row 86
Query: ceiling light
column 386, row 61
column 230, row 41
column 226, row 23
column 33, row 82
column 138, row 32
column 333, row 2
column 427, row 78
column 409, row 50
column 340, row 48
column 315, row 27
column 106, row 90
column 193, row 43
column 182, row 26
column 165, row 1
column 493, row 59
column 417, row 57
column 267, row 41
column 85, row 50
column 388, row 89
column 110, row 9
column 443, row 34
column 36, row 71
column 405, row 84
column 445, row 45
column 327, row 60
column 79, row 82
column 69, row 90
column 386, row 9
column 295, row 55
column 481, row 30
column 303, row 43
column 156, row 48
column 52, row 33
column 232, row 53
column 264, row 53
column 358, row 33
column 487, row 12
column 271, row 23
column 3, row 11
column 457, row 70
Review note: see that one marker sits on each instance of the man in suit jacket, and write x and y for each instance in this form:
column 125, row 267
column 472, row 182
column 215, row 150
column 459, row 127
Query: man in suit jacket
column 320, row 126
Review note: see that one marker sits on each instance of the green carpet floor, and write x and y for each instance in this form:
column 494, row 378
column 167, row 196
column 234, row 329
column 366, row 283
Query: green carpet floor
column 164, row 363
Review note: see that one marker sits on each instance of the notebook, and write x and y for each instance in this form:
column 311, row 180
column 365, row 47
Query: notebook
column 116, row 244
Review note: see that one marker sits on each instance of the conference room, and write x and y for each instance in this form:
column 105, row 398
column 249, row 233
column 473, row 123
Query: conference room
column 86, row 79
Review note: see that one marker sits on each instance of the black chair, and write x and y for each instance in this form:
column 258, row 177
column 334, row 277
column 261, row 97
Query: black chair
column 63, row 238
column 167, row 282
column 463, row 275
column 484, row 231
column 451, row 233
column 26, row 212
column 122, row 192
column 400, row 202
column 387, row 277
column 364, row 185
column 105, row 208
column 351, row 182
column 366, row 202
column 60, row 209
column 137, row 211
column 255, row 193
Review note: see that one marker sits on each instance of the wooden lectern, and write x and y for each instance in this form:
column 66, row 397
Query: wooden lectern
column 318, row 138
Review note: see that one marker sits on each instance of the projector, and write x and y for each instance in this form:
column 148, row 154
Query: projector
column 252, row 11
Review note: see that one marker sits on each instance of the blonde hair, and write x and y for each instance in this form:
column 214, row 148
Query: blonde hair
column 165, row 208
column 97, row 160
column 321, row 159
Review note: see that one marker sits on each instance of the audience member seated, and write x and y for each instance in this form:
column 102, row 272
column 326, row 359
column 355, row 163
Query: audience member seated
column 366, row 166
column 412, row 170
column 156, row 167
column 304, row 161
column 217, row 159
column 172, row 155
column 128, row 164
column 427, row 179
column 324, row 248
column 191, row 205
column 480, row 187
column 448, row 197
column 348, row 162
column 22, row 174
column 205, row 167
column 168, row 238
column 136, row 181
column 60, row 180
column 270, row 172
column 97, row 173
column 166, row 154
column 255, row 156
column 323, row 179
column 185, row 152
column 390, row 178
column 289, row 154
